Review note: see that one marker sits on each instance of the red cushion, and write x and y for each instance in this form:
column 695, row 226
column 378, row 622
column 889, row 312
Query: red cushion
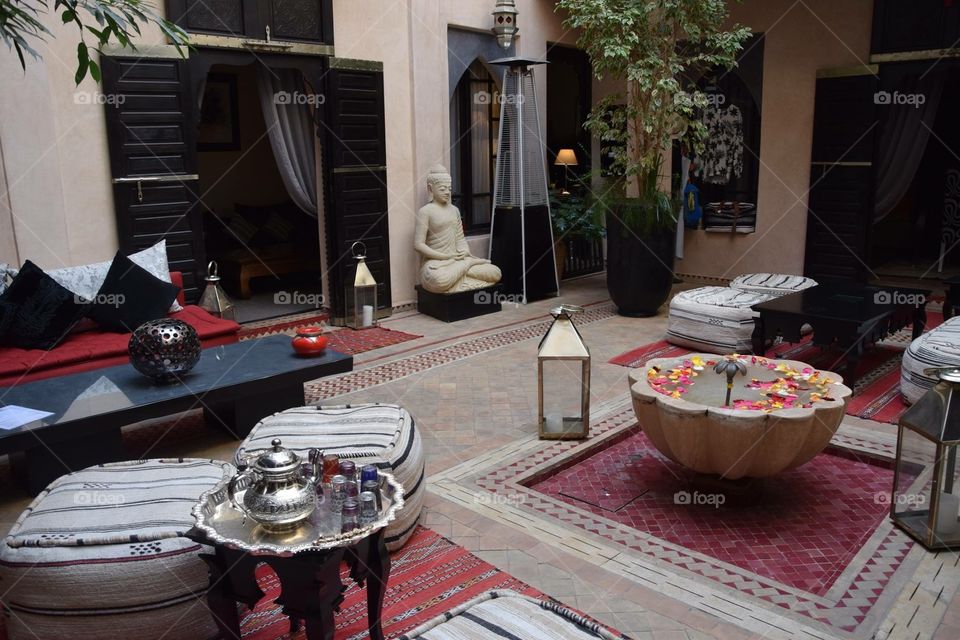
column 99, row 349
column 177, row 278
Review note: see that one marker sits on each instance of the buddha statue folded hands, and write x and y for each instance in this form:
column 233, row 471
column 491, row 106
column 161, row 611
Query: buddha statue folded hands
column 446, row 265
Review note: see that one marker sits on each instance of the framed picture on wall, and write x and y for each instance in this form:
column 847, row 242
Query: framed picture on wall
column 219, row 117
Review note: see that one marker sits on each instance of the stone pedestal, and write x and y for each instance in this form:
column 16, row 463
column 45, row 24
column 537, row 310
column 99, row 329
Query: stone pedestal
column 451, row 307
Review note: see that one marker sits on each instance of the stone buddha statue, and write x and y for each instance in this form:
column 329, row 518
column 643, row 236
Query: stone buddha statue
column 446, row 265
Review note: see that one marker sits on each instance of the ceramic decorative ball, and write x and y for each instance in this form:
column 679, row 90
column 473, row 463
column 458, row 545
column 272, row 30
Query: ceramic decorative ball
column 164, row 349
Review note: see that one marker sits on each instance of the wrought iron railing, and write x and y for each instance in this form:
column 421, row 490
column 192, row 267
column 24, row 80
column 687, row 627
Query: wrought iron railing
column 584, row 256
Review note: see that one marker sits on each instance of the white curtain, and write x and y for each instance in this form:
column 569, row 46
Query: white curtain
column 286, row 108
column 906, row 132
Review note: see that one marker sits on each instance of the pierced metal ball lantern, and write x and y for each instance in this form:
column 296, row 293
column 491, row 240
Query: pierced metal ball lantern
column 361, row 292
column 563, row 379
column 505, row 22
column 926, row 482
column 164, row 349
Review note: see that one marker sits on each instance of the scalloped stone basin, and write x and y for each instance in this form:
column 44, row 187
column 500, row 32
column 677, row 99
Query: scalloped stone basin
column 697, row 431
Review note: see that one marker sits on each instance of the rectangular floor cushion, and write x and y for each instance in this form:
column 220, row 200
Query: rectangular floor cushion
column 101, row 553
column 507, row 614
column 713, row 319
column 940, row 347
column 773, row 283
column 384, row 435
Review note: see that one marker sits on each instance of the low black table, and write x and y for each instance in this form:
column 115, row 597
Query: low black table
column 848, row 315
column 236, row 385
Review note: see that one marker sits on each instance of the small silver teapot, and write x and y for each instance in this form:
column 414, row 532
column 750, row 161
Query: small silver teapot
column 280, row 491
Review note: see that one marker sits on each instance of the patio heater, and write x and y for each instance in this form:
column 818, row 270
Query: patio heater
column 521, row 234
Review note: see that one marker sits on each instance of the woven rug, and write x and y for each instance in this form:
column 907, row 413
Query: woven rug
column 428, row 577
column 876, row 393
column 348, row 341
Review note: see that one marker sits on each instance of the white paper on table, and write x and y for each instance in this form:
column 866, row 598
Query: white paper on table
column 12, row 416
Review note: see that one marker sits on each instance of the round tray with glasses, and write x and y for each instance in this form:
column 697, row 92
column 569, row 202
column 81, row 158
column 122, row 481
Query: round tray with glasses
column 220, row 523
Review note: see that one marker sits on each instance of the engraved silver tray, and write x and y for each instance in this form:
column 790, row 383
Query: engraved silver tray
column 220, row 523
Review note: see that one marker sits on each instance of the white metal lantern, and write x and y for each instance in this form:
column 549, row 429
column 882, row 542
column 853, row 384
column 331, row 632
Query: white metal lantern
column 505, row 22
column 563, row 379
column 362, row 291
column 214, row 300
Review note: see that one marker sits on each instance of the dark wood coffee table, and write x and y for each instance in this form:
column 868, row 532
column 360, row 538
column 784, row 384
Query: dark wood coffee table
column 236, row 385
column 846, row 315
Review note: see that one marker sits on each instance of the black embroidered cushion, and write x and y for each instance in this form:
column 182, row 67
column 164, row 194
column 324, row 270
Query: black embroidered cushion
column 37, row 311
column 130, row 295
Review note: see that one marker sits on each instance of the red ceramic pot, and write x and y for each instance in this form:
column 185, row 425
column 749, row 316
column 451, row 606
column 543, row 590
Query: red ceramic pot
column 310, row 341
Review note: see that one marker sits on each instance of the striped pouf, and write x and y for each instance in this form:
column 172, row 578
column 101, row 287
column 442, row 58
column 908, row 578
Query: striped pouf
column 772, row 283
column 509, row 615
column 713, row 319
column 938, row 348
column 100, row 553
column 380, row 434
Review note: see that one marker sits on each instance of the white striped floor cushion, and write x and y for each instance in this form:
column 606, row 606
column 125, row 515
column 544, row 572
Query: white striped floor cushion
column 100, row 553
column 938, row 348
column 511, row 616
column 381, row 434
column 713, row 319
column 774, row 283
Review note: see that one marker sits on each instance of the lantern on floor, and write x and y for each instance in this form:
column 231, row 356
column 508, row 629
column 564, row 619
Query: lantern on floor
column 563, row 379
column 926, row 488
column 214, row 300
column 505, row 22
column 361, row 292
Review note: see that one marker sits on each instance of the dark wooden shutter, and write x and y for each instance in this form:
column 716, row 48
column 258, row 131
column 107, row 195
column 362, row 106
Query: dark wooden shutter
column 842, row 178
column 356, row 203
column 152, row 140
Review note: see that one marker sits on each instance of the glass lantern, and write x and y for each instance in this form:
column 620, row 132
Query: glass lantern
column 926, row 488
column 361, row 292
column 563, row 379
column 214, row 300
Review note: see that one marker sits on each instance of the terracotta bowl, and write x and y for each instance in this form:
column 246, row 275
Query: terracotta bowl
column 698, row 432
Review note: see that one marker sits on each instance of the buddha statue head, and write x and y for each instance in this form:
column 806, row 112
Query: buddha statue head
column 439, row 185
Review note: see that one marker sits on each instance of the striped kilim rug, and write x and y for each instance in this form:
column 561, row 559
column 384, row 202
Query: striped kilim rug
column 877, row 392
column 428, row 577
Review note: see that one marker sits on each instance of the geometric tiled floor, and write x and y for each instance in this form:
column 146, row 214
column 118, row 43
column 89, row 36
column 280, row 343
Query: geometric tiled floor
column 802, row 527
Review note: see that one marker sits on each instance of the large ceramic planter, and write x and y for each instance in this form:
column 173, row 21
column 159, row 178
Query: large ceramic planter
column 734, row 443
column 639, row 267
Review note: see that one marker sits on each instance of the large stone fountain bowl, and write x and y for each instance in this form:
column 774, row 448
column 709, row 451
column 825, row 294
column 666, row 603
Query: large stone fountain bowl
column 698, row 432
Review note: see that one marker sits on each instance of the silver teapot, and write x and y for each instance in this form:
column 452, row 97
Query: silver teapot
column 279, row 490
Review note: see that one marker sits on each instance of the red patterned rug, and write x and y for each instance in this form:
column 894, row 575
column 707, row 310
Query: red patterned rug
column 429, row 576
column 877, row 392
column 348, row 341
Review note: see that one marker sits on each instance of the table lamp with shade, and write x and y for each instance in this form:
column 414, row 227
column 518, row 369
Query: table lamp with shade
column 566, row 158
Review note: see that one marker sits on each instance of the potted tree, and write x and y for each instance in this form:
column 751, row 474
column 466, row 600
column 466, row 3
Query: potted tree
column 658, row 48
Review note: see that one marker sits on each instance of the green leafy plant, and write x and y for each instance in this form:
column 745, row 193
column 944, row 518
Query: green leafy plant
column 115, row 21
column 658, row 48
column 573, row 216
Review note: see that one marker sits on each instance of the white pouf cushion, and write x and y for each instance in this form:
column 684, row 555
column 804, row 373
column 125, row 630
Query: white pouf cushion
column 380, row 434
column 938, row 348
column 772, row 283
column 713, row 319
column 100, row 553
column 507, row 614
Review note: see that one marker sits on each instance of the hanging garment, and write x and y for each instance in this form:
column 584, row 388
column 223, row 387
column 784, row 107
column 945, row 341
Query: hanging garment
column 692, row 211
column 722, row 158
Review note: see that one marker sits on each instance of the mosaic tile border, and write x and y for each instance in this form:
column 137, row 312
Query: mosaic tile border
column 889, row 574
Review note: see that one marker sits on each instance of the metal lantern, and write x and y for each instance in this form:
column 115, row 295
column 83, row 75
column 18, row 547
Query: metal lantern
column 362, row 292
column 563, row 379
column 214, row 300
column 926, row 488
column 164, row 349
column 505, row 22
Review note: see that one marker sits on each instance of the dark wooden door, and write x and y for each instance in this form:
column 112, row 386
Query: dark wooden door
column 301, row 20
column 152, row 140
column 355, row 155
column 841, row 196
